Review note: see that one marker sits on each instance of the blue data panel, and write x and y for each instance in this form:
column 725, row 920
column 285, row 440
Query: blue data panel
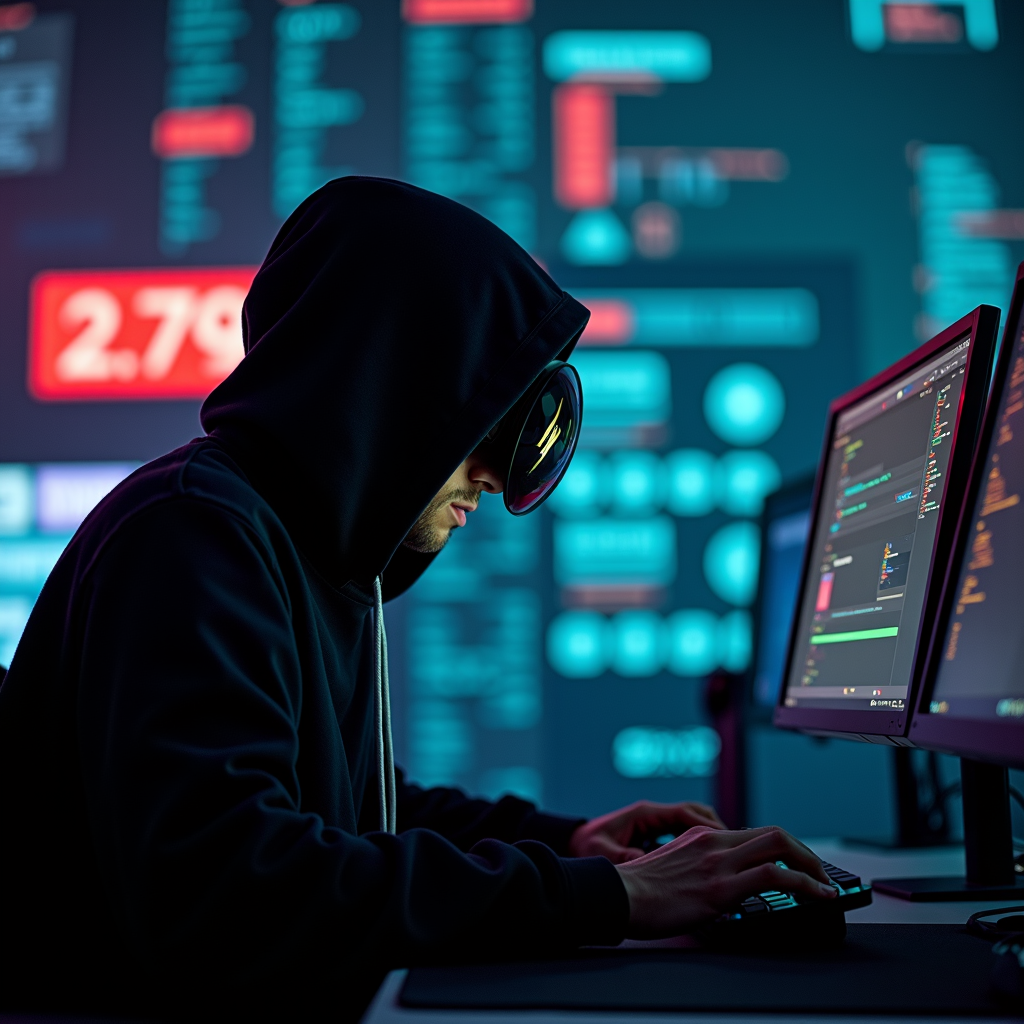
column 41, row 506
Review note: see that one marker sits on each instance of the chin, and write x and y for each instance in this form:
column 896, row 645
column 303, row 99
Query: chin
column 429, row 543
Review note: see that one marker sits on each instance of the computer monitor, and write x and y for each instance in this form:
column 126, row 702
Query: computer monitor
column 971, row 700
column 897, row 453
column 785, row 523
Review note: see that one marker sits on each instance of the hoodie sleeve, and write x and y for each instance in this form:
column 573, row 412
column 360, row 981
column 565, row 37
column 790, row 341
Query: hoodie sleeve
column 188, row 712
column 464, row 821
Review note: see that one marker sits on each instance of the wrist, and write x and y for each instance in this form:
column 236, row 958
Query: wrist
column 631, row 884
column 600, row 903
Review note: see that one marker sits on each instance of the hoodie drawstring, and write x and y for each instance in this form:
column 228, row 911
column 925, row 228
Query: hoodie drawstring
column 382, row 719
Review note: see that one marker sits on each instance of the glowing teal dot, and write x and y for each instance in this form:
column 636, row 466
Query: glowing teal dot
column 691, row 482
column 744, row 404
column 731, row 560
column 577, row 645
column 734, row 641
column 637, row 482
column 638, row 643
column 583, row 489
column 596, row 238
column 743, row 479
column 692, row 642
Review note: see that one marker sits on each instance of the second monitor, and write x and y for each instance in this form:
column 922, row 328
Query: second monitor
column 894, row 448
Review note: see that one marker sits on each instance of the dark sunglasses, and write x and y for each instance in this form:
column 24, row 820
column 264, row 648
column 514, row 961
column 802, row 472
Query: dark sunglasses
column 534, row 442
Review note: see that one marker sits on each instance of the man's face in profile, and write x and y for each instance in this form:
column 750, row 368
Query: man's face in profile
column 459, row 496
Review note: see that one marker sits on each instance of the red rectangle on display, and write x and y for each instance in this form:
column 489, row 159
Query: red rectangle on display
column 583, row 118
column 612, row 322
column 466, row 12
column 921, row 23
column 203, row 131
column 134, row 334
column 14, row 17
column 824, row 592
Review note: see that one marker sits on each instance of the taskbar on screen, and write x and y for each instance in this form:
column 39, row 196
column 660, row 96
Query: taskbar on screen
column 849, row 698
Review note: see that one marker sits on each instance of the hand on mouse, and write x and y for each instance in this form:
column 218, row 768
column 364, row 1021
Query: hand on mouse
column 706, row 871
column 612, row 835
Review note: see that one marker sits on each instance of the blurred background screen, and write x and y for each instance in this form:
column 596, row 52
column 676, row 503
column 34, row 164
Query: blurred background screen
column 760, row 203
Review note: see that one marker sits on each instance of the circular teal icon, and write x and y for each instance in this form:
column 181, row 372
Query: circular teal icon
column 735, row 641
column 744, row 404
column 691, row 482
column 577, row 645
column 638, row 643
column 731, row 560
column 637, row 482
column 596, row 238
column 692, row 642
column 743, row 479
column 583, row 489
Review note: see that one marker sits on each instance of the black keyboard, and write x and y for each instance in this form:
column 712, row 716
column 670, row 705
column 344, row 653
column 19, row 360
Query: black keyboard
column 793, row 919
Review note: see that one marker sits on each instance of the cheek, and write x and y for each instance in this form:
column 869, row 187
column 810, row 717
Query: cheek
column 440, row 519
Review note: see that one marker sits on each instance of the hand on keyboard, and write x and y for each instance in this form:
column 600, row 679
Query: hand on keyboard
column 787, row 920
column 704, row 873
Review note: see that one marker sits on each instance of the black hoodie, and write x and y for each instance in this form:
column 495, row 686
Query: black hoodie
column 187, row 772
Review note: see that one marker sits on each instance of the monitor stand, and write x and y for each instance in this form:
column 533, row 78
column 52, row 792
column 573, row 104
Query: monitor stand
column 988, row 845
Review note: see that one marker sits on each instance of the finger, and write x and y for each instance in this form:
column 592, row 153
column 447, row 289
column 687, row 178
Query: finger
column 724, row 838
column 777, row 845
column 700, row 815
column 770, row 877
column 650, row 816
column 705, row 809
column 712, row 814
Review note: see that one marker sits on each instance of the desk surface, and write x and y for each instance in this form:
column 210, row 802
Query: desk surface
column 869, row 863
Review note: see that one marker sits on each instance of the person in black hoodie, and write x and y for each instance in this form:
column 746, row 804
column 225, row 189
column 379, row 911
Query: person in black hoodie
column 196, row 790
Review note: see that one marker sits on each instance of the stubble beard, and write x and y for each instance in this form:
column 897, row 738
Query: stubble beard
column 430, row 533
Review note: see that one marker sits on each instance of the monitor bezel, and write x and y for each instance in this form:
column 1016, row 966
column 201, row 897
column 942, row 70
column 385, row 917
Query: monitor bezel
column 1001, row 742
column 981, row 325
column 781, row 502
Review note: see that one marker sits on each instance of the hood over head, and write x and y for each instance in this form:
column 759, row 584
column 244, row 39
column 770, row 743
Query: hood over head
column 387, row 331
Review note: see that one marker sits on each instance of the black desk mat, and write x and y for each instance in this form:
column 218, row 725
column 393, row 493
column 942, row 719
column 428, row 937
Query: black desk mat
column 881, row 968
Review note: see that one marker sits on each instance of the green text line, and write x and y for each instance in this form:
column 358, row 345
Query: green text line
column 856, row 634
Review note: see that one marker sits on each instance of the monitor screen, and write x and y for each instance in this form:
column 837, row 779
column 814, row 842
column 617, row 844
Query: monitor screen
column 873, row 538
column 981, row 671
column 785, row 526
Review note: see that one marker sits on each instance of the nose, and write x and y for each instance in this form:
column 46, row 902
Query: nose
column 484, row 476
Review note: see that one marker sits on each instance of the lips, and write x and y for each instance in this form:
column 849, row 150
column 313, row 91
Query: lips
column 460, row 511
